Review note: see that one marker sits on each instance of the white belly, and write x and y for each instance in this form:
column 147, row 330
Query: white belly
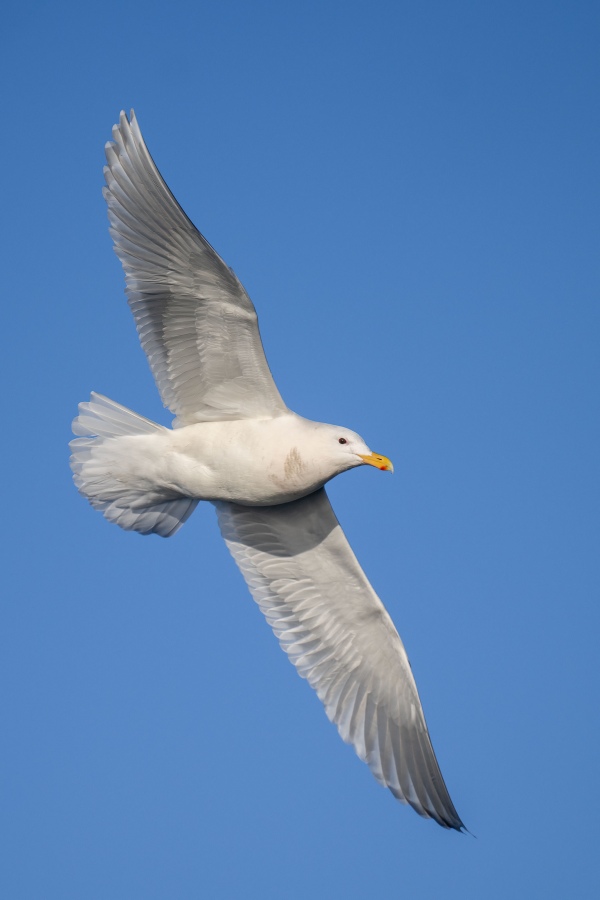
column 255, row 463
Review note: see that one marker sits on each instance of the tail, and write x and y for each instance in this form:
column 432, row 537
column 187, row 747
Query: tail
column 97, row 460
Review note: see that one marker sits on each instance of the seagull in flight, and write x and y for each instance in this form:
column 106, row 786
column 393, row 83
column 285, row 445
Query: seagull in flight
column 235, row 444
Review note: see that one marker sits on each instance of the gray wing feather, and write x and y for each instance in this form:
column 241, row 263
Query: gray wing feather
column 304, row 576
column 195, row 321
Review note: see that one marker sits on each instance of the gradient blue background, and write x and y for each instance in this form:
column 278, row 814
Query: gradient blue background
column 409, row 193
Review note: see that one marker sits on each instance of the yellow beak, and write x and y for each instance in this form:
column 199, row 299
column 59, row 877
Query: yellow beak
column 380, row 462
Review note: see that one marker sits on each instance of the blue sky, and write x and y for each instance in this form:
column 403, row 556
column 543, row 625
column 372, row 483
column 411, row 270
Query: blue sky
column 409, row 193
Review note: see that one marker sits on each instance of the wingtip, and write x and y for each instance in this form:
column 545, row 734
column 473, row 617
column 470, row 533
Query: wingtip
column 121, row 127
column 456, row 824
column 124, row 118
column 448, row 822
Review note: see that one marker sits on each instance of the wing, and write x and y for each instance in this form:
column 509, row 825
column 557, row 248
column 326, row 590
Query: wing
column 304, row 576
column 196, row 323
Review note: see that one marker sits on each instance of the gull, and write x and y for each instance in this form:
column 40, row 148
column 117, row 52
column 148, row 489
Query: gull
column 236, row 444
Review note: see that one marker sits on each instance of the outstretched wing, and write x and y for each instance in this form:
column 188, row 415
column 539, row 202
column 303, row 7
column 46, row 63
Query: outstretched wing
column 196, row 323
column 304, row 576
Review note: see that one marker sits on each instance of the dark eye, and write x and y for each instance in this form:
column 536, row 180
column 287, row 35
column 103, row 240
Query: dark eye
column 342, row 441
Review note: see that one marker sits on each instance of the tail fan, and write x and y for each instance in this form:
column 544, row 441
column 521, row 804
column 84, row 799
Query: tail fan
column 98, row 453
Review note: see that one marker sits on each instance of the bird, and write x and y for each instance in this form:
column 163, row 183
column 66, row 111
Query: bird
column 234, row 443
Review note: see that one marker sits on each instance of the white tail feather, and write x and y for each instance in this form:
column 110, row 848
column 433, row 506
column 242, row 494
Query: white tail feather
column 98, row 454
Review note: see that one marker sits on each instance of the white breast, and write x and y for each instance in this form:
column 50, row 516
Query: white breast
column 254, row 462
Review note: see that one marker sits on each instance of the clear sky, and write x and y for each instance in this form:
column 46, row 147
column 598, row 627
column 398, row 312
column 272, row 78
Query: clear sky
column 409, row 193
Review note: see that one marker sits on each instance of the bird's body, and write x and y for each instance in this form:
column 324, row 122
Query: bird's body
column 237, row 445
column 254, row 462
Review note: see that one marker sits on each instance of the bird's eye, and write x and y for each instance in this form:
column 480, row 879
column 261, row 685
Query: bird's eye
column 342, row 441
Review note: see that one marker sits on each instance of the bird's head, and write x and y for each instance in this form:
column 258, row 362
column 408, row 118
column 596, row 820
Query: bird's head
column 345, row 449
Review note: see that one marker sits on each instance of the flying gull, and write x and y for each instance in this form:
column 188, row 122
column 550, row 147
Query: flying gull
column 235, row 444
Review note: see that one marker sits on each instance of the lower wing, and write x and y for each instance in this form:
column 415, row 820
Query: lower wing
column 304, row 576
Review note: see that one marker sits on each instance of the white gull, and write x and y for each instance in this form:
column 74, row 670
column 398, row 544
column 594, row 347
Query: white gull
column 236, row 444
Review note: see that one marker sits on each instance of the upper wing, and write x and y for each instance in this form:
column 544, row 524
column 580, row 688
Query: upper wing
column 196, row 322
column 303, row 574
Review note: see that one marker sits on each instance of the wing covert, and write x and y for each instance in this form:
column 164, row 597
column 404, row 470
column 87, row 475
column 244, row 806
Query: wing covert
column 304, row 576
column 196, row 323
